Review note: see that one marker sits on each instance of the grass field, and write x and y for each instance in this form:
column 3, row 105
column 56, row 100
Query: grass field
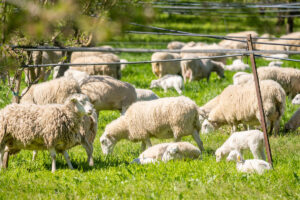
column 113, row 177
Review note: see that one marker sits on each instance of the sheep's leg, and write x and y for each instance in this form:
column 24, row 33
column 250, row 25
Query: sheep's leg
column 198, row 140
column 233, row 128
column 89, row 151
column 34, row 154
column 67, row 157
column 276, row 127
column 53, row 156
column 178, row 89
column 143, row 146
column 148, row 143
column 2, row 147
column 165, row 89
column 255, row 151
column 178, row 139
column 271, row 128
column 262, row 154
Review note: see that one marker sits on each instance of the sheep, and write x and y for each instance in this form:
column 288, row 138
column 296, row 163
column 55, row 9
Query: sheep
column 145, row 95
column 160, row 69
column 253, row 139
column 277, row 57
column 175, row 45
column 238, row 104
column 249, row 166
column 75, row 74
column 53, row 127
column 229, row 44
column 267, row 47
column 237, row 65
column 207, row 108
column 123, row 66
column 241, row 78
column 169, row 81
column 291, row 42
column 168, row 151
column 53, row 91
column 275, row 64
column 75, row 55
column 197, row 69
column 113, row 70
column 293, row 123
column 288, row 78
column 170, row 117
column 107, row 93
column 296, row 100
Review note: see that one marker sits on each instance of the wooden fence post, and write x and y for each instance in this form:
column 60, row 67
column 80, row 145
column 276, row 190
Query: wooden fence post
column 260, row 104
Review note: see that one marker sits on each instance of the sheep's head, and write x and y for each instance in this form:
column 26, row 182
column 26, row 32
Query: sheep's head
column 207, row 127
column 219, row 154
column 170, row 153
column 107, row 144
column 296, row 100
column 82, row 104
column 154, row 83
column 234, row 156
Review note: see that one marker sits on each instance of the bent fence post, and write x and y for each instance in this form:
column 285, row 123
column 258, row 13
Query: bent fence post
column 260, row 104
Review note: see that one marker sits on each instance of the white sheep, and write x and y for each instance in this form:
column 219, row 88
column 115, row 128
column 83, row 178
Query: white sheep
column 241, row 78
column 229, row 44
column 249, row 166
column 296, row 100
column 123, row 66
column 145, row 95
column 253, row 140
column 75, row 55
column 169, row 81
column 277, row 57
column 201, row 68
column 237, row 65
column 293, row 123
column 108, row 93
column 75, row 74
column 275, row 64
column 207, row 108
column 53, row 127
column 291, row 42
column 238, row 105
column 160, row 69
column 172, row 117
column 175, row 45
column 168, row 151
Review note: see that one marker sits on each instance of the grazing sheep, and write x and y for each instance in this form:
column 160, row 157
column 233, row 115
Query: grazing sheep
column 78, row 54
column 168, row 81
column 53, row 127
column 288, row 78
column 253, row 140
column 293, row 123
column 168, row 151
column 107, row 93
column 207, row 108
column 296, row 100
column 275, row 64
column 53, row 91
column 291, row 42
column 113, row 70
column 237, row 65
column 277, row 56
column 75, row 74
column 123, row 66
column 238, row 105
column 240, row 78
column 249, row 166
column 172, row 117
column 160, row 69
column 229, row 44
column 175, row 45
column 145, row 95
column 202, row 68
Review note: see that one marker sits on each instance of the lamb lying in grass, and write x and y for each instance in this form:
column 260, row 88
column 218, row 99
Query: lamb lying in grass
column 238, row 141
column 168, row 151
column 249, row 166
column 237, row 65
column 169, row 81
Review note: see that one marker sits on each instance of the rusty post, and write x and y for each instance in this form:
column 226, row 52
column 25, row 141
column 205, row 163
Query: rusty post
column 260, row 104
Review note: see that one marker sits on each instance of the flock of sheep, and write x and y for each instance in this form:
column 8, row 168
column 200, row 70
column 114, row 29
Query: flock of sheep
column 59, row 114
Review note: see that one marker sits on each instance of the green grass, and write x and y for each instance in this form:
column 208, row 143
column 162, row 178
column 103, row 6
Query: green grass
column 114, row 178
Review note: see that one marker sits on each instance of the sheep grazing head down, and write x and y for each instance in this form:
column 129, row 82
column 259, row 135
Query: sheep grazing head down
column 154, row 83
column 219, row 154
column 207, row 127
column 82, row 104
column 233, row 156
column 107, row 144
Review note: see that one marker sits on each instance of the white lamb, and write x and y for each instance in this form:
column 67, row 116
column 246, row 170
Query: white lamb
column 123, row 66
column 296, row 100
column 168, row 151
column 275, row 64
column 253, row 140
column 237, row 65
column 169, row 81
column 249, row 166
column 241, row 78
column 277, row 56
column 145, row 95
column 75, row 74
column 171, row 117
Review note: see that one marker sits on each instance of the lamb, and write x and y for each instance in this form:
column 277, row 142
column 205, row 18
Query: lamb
column 253, row 139
column 53, row 127
column 296, row 100
column 113, row 70
column 275, row 64
column 198, row 69
column 170, row 117
column 175, row 45
column 249, row 166
column 240, row 78
column 169, row 81
column 293, row 123
column 238, row 105
column 53, row 91
column 78, row 54
column 107, row 93
column 160, row 69
column 145, row 95
column 237, row 65
column 229, row 44
column 168, row 151
column 123, row 66
column 288, row 78
column 75, row 74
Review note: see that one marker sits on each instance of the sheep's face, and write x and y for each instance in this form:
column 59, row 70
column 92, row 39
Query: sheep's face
column 207, row 127
column 82, row 104
column 154, row 83
column 107, row 144
column 171, row 153
column 296, row 100
column 219, row 154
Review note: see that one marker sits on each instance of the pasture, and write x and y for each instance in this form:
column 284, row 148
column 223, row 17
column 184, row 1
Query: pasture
column 113, row 177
